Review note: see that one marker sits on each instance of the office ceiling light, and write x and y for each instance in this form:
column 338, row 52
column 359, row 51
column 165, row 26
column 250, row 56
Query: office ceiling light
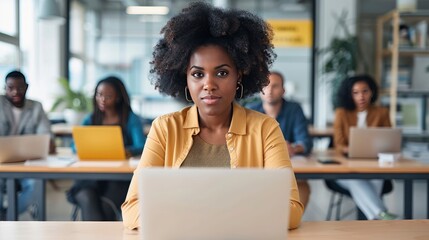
column 50, row 11
column 148, row 10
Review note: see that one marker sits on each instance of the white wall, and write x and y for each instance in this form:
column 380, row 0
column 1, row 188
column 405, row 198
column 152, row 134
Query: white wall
column 295, row 65
column 42, row 44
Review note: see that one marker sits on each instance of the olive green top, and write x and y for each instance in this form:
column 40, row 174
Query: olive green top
column 203, row 154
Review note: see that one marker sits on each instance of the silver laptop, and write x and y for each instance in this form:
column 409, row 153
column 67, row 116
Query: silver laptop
column 23, row 147
column 368, row 142
column 214, row 203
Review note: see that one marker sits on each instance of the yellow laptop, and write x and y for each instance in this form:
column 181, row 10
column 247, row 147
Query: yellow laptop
column 99, row 143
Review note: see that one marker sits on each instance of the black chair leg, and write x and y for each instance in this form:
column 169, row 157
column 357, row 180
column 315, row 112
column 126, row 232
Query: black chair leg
column 75, row 212
column 340, row 200
column 360, row 215
column 331, row 207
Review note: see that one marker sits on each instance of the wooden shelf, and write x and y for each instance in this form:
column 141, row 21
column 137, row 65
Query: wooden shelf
column 391, row 56
column 411, row 52
column 423, row 14
column 410, row 92
column 414, row 92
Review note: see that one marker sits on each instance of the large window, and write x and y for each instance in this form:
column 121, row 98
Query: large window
column 105, row 40
column 9, row 41
column 8, row 60
column 8, row 20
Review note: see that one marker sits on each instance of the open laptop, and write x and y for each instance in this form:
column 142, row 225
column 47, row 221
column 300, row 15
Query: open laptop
column 20, row 148
column 368, row 142
column 99, row 143
column 214, row 203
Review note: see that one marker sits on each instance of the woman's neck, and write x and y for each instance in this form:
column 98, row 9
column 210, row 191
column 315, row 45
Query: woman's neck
column 111, row 116
column 215, row 122
column 214, row 128
column 362, row 109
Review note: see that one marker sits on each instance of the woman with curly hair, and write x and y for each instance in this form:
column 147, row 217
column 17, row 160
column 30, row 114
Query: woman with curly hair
column 211, row 57
column 357, row 96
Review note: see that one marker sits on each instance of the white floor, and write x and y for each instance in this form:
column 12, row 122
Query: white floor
column 57, row 207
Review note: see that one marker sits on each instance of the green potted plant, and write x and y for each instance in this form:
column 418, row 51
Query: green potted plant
column 74, row 103
column 344, row 56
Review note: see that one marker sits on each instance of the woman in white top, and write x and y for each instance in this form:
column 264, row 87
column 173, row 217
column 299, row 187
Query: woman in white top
column 356, row 97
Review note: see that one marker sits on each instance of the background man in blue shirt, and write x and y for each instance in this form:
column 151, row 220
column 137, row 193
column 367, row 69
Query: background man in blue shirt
column 292, row 122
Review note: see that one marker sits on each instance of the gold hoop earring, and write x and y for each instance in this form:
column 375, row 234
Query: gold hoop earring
column 189, row 99
column 241, row 91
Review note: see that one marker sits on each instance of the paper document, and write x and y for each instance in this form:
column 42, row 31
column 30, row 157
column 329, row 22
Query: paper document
column 98, row 164
column 134, row 161
column 52, row 161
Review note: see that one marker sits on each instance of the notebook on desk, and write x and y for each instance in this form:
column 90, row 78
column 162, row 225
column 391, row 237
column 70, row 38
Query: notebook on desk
column 99, row 143
column 368, row 142
column 214, row 203
column 23, row 147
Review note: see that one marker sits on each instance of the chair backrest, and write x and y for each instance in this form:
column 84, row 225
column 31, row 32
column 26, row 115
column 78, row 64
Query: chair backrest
column 75, row 211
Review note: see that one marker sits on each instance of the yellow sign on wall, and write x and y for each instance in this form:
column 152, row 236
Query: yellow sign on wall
column 292, row 33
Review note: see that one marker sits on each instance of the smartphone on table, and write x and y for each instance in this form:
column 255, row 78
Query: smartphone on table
column 328, row 161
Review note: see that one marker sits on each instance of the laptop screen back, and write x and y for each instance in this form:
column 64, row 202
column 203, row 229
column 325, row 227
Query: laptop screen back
column 23, row 147
column 368, row 142
column 214, row 203
column 99, row 143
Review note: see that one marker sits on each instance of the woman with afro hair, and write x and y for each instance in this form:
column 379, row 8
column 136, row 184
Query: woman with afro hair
column 212, row 57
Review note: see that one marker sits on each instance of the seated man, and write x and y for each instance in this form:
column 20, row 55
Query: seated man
column 20, row 116
column 292, row 122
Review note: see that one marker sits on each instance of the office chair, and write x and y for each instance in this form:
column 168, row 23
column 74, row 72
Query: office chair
column 75, row 211
column 341, row 192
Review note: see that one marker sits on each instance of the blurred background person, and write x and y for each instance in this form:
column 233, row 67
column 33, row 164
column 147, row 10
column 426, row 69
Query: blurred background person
column 21, row 116
column 111, row 107
column 292, row 122
column 357, row 96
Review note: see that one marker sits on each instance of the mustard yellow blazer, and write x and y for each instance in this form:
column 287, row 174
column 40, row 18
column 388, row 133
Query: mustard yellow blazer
column 253, row 140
